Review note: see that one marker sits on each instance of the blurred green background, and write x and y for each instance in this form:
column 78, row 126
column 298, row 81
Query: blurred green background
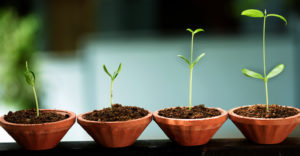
column 17, row 44
column 66, row 43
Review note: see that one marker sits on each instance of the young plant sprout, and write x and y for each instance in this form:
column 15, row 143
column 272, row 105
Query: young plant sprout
column 30, row 79
column 113, row 77
column 192, row 63
column 276, row 70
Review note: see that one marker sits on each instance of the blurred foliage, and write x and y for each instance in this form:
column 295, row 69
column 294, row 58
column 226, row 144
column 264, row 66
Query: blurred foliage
column 17, row 44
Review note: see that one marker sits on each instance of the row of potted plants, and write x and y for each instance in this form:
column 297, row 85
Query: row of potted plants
column 120, row 126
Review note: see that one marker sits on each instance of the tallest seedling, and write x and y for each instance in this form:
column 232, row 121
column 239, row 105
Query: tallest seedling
column 192, row 63
column 276, row 70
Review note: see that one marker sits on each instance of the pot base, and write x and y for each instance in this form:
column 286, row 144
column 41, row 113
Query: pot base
column 265, row 130
column 190, row 132
column 115, row 134
column 39, row 136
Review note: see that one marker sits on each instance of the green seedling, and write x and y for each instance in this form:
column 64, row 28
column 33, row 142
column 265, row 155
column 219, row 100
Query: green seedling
column 277, row 69
column 192, row 63
column 113, row 77
column 30, row 79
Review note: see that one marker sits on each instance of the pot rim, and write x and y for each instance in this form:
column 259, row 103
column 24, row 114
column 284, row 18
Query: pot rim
column 72, row 116
column 223, row 113
column 80, row 118
column 231, row 113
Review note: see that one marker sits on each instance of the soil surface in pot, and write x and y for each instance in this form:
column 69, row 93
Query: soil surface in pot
column 259, row 111
column 197, row 112
column 29, row 117
column 117, row 113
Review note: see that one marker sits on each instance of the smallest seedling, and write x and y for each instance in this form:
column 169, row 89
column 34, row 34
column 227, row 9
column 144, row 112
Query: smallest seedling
column 113, row 77
column 30, row 79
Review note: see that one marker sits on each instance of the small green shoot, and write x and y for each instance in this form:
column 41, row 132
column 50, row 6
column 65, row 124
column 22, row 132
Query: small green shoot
column 192, row 63
column 277, row 69
column 113, row 77
column 30, row 79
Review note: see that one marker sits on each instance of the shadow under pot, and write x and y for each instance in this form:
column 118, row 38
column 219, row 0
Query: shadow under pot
column 265, row 130
column 190, row 132
column 114, row 134
column 40, row 136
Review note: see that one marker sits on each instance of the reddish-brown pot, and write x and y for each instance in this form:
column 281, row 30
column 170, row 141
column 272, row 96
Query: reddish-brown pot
column 190, row 132
column 39, row 136
column 265, row 131
column 116, row 133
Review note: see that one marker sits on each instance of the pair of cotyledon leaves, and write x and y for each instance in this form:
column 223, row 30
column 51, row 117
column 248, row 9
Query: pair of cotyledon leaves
column 259, row 14
column 193, row 63
column 274, row 72
column 116, row 73
column 279, row 68
column 30, row 77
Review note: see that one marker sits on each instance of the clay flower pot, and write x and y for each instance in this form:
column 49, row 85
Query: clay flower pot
column 115, row 134
column 265, row 131
column 190, row 132
column 39, row 136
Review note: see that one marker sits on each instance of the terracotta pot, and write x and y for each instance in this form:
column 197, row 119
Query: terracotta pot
column 190, row 132
column 265, row 131
column 39, row 136
column 116, row 133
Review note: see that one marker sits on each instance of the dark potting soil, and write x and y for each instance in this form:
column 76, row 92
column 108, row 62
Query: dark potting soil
column 29, row 117
column 259, row 111
column 117, row 113
column 197, row 112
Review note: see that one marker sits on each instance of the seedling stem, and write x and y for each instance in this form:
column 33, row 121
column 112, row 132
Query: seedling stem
column 192, row 63
column 30, row 79
column 276, row 70
column 111, row 94
column 264, row 59
column 112, row 77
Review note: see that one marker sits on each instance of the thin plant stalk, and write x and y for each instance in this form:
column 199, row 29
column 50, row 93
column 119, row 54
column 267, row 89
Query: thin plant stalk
column 36, row 101
column 191, row 74
column 30, row 79
column 264, row 60
column 190, row 89
column 111, row 94
column 192, row 47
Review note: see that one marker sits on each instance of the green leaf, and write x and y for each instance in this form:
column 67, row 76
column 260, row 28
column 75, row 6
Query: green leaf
column 275, row 71
column 198, row 30
column 116, row 73
column 252, row 74
column 187, row 61
column 190, row 30
column 253, row 13
column 278, row 16
column 197, row 59
column 106, row 71
column 120, row 67
column 30, row 77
